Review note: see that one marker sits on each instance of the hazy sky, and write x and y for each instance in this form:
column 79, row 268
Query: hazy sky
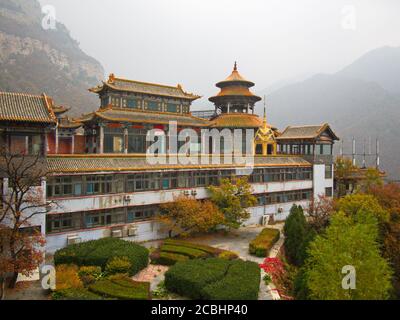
column 195, row 42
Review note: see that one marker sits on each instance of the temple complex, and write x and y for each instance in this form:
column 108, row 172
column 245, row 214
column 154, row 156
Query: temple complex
column 100, row 175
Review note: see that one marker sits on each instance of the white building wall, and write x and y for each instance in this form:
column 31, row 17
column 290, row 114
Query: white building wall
column 160, row 196
column 319, row 182
column 150, row 230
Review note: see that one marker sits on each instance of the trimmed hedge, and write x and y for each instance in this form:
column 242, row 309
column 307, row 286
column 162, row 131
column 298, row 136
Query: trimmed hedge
column 99, row 252
column 121, row 287
column 167, row 258
column 75, row 294
column 172, row 251
column 242, row 282
column 210, row 250
column 186, row 251
column 188, row 278
column 263, row 243
column 214, row 279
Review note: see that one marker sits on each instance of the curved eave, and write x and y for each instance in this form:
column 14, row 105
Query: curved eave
column 225, row 83
column 217, row 98
column 185, row 96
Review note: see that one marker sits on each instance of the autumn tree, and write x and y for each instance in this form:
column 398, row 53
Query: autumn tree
column 352, row 204
column 388, row 197
column 233, row 197
column 319, row 211
column 186, row 215
column 22, row 202
column 344, row 170
column 348, row 241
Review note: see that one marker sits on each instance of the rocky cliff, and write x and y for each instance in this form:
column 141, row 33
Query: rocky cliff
column 36, row 60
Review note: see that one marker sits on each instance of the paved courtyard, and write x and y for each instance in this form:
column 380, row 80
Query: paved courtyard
column 238, row 242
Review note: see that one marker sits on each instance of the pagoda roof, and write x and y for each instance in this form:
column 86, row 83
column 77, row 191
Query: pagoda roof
column 235, row 77
column 98, row 163
column 22, row 107
column 127, row 115
column 237, row 120
column 306, row 132
column 126, row 85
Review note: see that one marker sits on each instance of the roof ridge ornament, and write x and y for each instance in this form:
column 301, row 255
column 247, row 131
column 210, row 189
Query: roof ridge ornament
column 235, row 66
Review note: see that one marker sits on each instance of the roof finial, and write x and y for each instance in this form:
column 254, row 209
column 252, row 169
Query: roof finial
column 235, row 66
column 265, row 109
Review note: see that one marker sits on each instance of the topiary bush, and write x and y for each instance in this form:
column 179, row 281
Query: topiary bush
column 208, row 249
column 188, row 278
column 214, row 278
column 89, row 274
column 186, row 251
column 263, row 243
column 121, row 287
column 241, row 282
column 228, row 255
column 117, row 265
column 75, row 294
column 99, row 252
column 167, row 258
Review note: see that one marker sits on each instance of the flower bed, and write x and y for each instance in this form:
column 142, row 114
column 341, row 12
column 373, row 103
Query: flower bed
column 214, row 278
column 263, row 243
column 100, row 252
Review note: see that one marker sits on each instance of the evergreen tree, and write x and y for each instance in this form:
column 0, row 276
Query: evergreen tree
column 297, row 236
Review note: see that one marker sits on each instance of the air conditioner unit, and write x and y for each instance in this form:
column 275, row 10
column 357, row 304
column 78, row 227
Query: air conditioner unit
column 116, row 233
column 132, row 231
column 264, row 220
column 73, row 239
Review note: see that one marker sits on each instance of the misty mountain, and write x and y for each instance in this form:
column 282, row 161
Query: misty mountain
column 381, row 65
column 35, row 60
column 355, row 107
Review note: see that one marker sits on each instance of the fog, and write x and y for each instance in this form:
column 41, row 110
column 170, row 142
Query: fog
column 195, row 42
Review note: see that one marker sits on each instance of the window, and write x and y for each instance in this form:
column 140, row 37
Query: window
column 132, row 103
column 141, row 213
column 114, row 140
column 324, row 149
column 59, row 187
column 101, row 184
column 136, row 140
column 63, row 222
column 328, row 192
column 172, row 107
column 328, row 171
column 152, row 105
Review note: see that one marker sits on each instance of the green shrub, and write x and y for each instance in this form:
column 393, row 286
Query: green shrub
column 188, row 278
column 89, row 274
column 263, row 243
column 210, row 250
column 75, row 294
column 267, row 279
column 99, row 252
column 186, row 251
column 241, row 282
column 228, row 255
column 121, row 287
column 167, row 258
column 118, row 265
column 214, row 278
